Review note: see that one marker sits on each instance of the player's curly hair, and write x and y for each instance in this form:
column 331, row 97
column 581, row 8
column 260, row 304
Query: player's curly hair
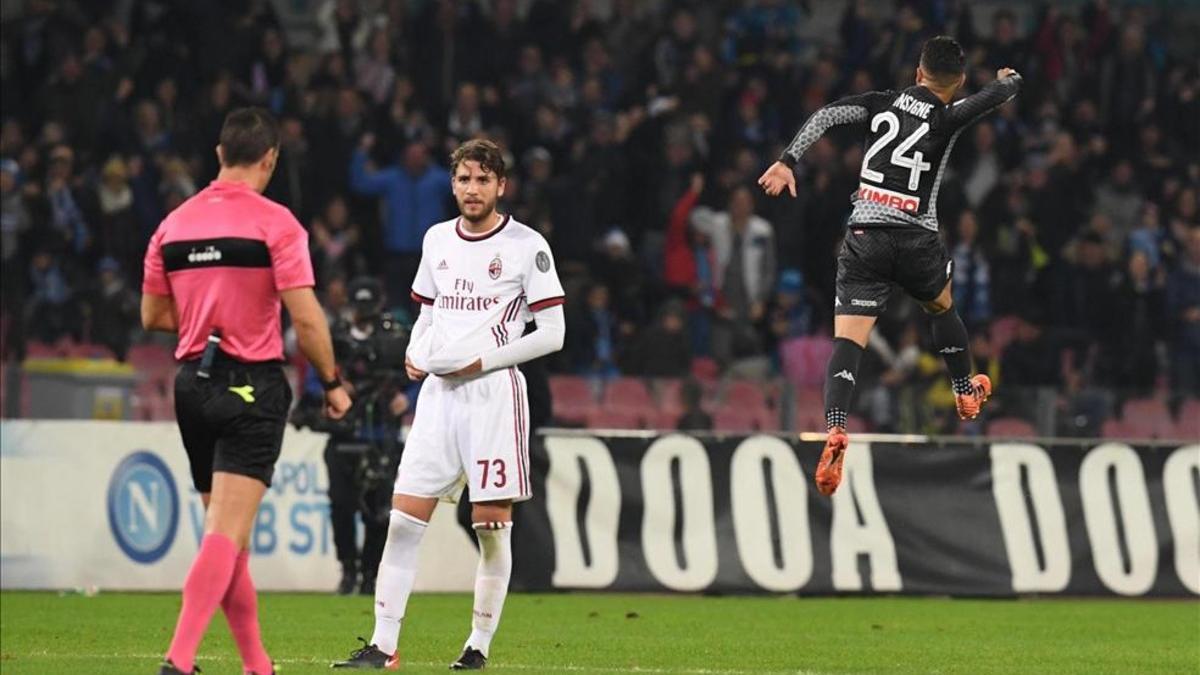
column 480, row 150
column 942, row 59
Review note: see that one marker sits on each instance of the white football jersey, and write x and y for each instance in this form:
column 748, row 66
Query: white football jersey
column 482, row 289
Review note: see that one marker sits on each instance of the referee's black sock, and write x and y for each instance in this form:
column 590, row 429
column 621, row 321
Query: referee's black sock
column 950, row 340
column 839, row 381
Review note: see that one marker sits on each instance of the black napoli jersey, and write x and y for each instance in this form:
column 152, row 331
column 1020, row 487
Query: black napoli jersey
column 910, row 134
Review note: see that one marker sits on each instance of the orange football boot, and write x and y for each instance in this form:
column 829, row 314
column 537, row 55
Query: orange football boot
column 829, row 469
column 970, row 404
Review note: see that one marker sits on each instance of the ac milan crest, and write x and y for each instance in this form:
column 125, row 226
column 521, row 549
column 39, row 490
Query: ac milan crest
column 495, row 267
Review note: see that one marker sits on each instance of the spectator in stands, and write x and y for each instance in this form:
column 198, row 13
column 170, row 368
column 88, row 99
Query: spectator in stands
column 621, row 273
column 629, row 105
column 67, row 219
column 1085, row 291
column 414, row 194
column 972, row 274
column 15, row 225
column 593, row 335
column 1119, row 199
column 114, row 307
column 117, row 227
column 743, row 247
column 694, row 418
column 792, row 314
column 337, row 243
column 663, row 350
column 1132, row 346
column 52, row 312
column 1183, row 313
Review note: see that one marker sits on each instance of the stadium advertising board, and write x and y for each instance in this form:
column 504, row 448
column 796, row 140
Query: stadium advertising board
column 740, row 514
column 110, row 505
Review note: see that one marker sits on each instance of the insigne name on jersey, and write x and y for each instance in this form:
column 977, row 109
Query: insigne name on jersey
column 911, row 105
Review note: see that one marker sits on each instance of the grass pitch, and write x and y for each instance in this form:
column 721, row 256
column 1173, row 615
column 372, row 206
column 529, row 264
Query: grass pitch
column 44, row 633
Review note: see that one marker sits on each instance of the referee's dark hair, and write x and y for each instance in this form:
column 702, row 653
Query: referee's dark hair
column 247, row 135
column 480, row 150
column 943, row 60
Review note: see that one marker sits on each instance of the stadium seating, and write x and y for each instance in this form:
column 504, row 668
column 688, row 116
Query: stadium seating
column 628, row 394
column 1011, row 427
column 603, row 418
column 572, row 398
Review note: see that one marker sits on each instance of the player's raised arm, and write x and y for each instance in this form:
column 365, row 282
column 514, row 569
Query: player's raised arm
column 992, row 96
column 848, row 110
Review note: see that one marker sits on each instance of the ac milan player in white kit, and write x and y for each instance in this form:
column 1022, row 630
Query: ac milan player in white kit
column 482, row 276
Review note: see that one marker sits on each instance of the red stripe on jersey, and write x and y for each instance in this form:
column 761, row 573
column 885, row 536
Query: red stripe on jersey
column 548, row 302
column 517, row 430
column 417, row 297
column 479, row 237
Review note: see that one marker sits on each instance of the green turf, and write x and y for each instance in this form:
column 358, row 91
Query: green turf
column 594, row 633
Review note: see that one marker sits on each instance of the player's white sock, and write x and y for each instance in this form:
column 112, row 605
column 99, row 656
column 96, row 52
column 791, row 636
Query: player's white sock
column 491, row 581
column 397, row 572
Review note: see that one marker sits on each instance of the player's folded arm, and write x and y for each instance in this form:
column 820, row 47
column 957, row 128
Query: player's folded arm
column 547, row 339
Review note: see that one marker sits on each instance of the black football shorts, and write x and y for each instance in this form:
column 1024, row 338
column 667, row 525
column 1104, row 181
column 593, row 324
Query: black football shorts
column 873, row 259
column 234, row 420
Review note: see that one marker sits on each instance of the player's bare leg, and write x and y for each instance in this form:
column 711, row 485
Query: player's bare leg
column 232, row 506
column 850, row 338
column 394, row 584
column 950, row 340
column 492, row 522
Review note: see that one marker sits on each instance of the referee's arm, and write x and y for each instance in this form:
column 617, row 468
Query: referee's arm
column 312, row 330
column 158, row 306
column 158, row 313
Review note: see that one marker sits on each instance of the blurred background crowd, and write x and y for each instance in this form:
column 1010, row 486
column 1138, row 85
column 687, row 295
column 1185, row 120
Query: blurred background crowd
column 635, row 132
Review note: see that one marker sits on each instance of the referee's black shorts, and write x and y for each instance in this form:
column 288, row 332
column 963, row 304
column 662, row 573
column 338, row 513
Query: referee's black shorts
column 875, row 258
column 234, row 420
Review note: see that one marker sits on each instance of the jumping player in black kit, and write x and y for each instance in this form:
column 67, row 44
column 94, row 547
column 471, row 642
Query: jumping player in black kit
column 892, row 236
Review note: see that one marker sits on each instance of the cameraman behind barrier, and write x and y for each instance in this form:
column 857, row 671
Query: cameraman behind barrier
column 364, row 447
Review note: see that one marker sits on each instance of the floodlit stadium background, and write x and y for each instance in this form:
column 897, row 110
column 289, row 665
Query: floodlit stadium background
column 1073, row 215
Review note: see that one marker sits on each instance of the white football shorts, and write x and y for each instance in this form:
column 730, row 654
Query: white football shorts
column 473, row 431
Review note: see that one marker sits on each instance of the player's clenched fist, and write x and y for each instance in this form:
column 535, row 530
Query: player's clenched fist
column 777, row 177
column 1005, row 72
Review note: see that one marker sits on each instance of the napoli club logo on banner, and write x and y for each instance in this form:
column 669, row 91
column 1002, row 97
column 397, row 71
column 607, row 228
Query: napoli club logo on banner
column 143, row 507
column 495, row 268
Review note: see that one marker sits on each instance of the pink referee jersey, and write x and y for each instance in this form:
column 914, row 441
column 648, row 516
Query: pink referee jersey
column 224, row 256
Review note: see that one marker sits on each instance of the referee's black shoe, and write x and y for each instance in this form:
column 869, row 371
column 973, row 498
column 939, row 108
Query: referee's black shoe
column 369, row 657
column 168, row 668
column 471, row 659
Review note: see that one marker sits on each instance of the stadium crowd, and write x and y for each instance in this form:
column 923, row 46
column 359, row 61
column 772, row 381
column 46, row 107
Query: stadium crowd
column 635, row 132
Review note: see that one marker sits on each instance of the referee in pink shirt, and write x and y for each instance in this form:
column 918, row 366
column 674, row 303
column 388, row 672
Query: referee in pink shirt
column 216, row 272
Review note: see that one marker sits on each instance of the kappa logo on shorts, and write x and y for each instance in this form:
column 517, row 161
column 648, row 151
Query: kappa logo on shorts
column 951, row 350
column 143, row 507
column 495, row 267
column 845, row 375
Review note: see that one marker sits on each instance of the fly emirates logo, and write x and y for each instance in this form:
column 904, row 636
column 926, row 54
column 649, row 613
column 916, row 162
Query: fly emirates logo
column 463, row 300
